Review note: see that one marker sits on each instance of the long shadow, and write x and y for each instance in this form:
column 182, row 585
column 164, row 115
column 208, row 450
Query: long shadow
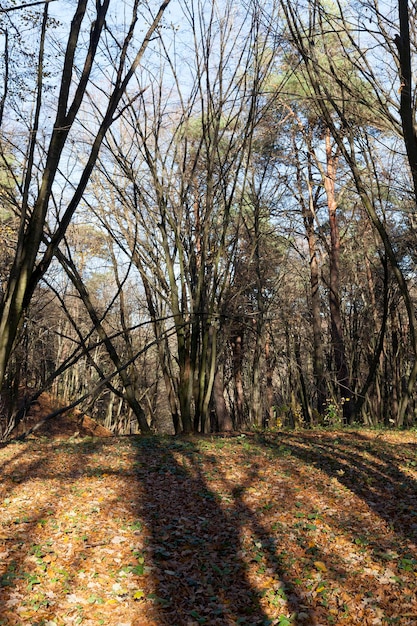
column 19, row 532
column 201, row 537
column 376, row 479
column 196, row 541
column 18, row 455
column 374, row 473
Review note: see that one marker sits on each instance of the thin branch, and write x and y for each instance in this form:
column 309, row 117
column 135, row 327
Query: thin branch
column 24, row 6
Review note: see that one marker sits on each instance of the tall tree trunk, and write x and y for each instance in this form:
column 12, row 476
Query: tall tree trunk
column 211, row 374
column 395, row 369
column 237, row 358
column 224, row 420
column 406, row 90
column 305, row 399
column 256, row 401
column 308, row 213
column 318, row 354
column 342, row 372
column 269, row 384
column 185, row 389
column 162, row 343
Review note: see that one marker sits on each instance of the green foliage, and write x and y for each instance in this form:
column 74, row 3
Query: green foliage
column 334, row 63
column 333, row 413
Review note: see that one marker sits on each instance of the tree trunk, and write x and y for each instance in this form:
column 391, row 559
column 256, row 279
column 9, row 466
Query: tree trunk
column 224, row 420
column 237, row 348
column 308, row 212
column 305, row 400
column 407, row 111
column 256, row 401
column 342, row 372
column 269, row 385
column 27, row 269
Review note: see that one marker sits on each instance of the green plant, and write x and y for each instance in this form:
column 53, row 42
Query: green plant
column 333, row 412
column 283, row 620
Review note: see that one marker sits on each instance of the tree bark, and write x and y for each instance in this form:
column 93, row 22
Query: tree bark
column 308, row 213
column 237, row 358
column 338, row 345
column 406, row 90
column 224, row 420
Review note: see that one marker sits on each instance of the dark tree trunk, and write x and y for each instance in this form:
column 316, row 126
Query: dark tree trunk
column 237, row 357
column 224, row 420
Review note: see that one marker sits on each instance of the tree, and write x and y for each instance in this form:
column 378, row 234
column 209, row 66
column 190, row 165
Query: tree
column 82, row 73
column 371, row 96
column 179, row 163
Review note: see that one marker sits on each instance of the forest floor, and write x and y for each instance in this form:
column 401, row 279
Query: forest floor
column 283, row 528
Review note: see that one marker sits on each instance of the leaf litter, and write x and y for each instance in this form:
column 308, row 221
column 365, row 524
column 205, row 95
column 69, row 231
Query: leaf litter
column 279, row 528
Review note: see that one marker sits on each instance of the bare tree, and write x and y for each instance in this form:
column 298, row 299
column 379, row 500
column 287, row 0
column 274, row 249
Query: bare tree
column 176, row 168
column 83, row 69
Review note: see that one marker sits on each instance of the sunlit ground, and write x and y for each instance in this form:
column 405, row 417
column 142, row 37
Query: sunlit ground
column 291, row 528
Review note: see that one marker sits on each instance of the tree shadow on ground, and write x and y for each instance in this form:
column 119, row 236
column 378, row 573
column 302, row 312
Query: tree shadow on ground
column 200, row 556
column 369, row 469
column 22, row 551
column 201, row 540
column 195, row 558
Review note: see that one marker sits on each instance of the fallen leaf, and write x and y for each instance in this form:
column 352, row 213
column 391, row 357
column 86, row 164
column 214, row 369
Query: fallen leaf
column 320, row 566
